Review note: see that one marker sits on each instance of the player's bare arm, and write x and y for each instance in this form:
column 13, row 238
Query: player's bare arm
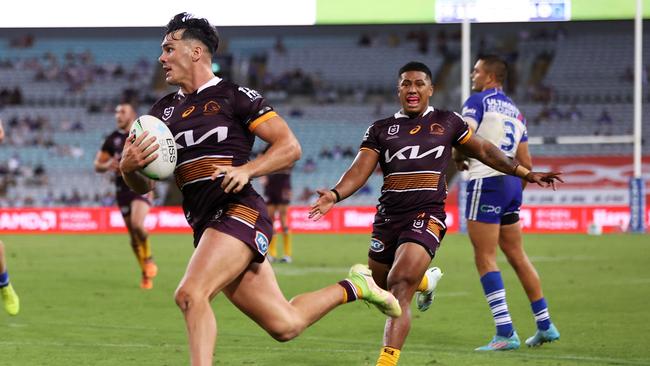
column 353, row 179
column 284, row 150
column 459, row 158
column 136, row 155
column 105, row 162
column 522, row 156
column 481, row 149
column 2, row 132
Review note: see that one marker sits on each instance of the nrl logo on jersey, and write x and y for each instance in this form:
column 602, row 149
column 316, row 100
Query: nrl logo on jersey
column 393, row 130
column 167, row 113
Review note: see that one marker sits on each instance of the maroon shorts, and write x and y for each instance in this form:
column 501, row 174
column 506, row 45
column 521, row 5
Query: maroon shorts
column 125, row 198
column 278, row 189
column 426, row 228
column 246, row 219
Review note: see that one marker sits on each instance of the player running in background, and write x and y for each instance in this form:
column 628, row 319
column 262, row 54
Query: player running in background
column 133, row 206
column 278, row 195
column 493, row 201
column 9, row 296
column 413, row 148
column 215, row 123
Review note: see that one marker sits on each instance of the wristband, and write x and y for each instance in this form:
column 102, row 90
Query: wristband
column 520, row 171
column 336, row 193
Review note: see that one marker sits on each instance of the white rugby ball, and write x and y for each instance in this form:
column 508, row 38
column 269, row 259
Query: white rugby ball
column 165, row 163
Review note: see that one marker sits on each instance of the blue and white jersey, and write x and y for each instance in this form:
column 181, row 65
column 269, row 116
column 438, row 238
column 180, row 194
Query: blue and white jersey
column 499, row 121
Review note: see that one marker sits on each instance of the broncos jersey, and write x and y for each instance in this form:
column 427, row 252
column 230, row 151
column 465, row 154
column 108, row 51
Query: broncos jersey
column 212, row 126
column 499, row 121
column 413, row 155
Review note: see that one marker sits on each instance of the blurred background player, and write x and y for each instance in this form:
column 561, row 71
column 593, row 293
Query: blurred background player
column 217, row 122
column 9, row 296
column 278, row 195
column 413, row 148
column 134, row 207
column 493, row 202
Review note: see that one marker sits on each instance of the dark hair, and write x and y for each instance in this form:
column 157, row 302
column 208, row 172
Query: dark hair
column 497, row 65
column 195, row 28
column 130, row 102
column 415, row 66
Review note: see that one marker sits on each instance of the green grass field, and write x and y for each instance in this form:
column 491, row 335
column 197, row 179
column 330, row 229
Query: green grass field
column 81, row 305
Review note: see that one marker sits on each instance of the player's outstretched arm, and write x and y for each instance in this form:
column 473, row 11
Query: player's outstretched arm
column 137, row 153
column 523, row 157
column 353, row 179
column 284, row 149
column 481, row 149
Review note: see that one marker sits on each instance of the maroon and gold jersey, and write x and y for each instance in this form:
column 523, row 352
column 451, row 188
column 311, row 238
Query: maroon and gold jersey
column 113, row 145
column 413, row 155
column 211, row 126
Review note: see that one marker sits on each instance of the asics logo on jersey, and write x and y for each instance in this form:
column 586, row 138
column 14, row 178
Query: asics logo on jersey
column 413, row 152
column 188, row 111
column 186, row 138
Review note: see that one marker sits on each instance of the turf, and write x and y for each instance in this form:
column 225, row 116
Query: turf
column 81, row 305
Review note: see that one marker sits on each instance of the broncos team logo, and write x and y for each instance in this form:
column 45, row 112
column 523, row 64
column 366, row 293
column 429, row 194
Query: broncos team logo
column 436, row 129
column 211, row 108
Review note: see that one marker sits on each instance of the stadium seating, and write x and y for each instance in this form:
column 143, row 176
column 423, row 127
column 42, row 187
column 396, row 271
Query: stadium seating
column 337, row 61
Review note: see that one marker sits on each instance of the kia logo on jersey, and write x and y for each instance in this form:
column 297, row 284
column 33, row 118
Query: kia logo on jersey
column 413, row 152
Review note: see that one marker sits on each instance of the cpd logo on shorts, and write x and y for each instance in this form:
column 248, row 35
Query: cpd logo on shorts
column 262, row 242
column 376, row 245
column 490, row 209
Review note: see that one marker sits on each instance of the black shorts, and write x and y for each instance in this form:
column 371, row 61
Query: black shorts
column 246, row 219
column 426, row 228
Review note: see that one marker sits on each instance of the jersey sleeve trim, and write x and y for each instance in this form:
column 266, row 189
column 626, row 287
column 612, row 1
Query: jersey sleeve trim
column 261, row 119
column 369, row 149
column 465, row 137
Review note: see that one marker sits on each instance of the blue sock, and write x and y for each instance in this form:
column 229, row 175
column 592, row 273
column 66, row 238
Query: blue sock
column 542, row 317
column 495, row 294
column 4, row 279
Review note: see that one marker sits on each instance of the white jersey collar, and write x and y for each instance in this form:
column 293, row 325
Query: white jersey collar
column 400, row 113
column 212, row 82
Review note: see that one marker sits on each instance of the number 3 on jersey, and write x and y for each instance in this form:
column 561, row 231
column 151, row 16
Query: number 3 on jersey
column 509, row 130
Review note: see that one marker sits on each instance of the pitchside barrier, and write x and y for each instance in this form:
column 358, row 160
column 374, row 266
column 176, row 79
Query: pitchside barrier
column 104, row 220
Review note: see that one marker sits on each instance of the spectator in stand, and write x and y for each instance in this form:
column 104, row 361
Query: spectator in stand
column 574, row 114
column 605, row 118
column 279, row 46
column 604, row 123
column 306, row 195
column 309, row 166
column 325, row 153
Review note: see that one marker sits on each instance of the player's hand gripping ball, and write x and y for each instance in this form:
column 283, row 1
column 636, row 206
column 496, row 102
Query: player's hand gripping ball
column 165, row 163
